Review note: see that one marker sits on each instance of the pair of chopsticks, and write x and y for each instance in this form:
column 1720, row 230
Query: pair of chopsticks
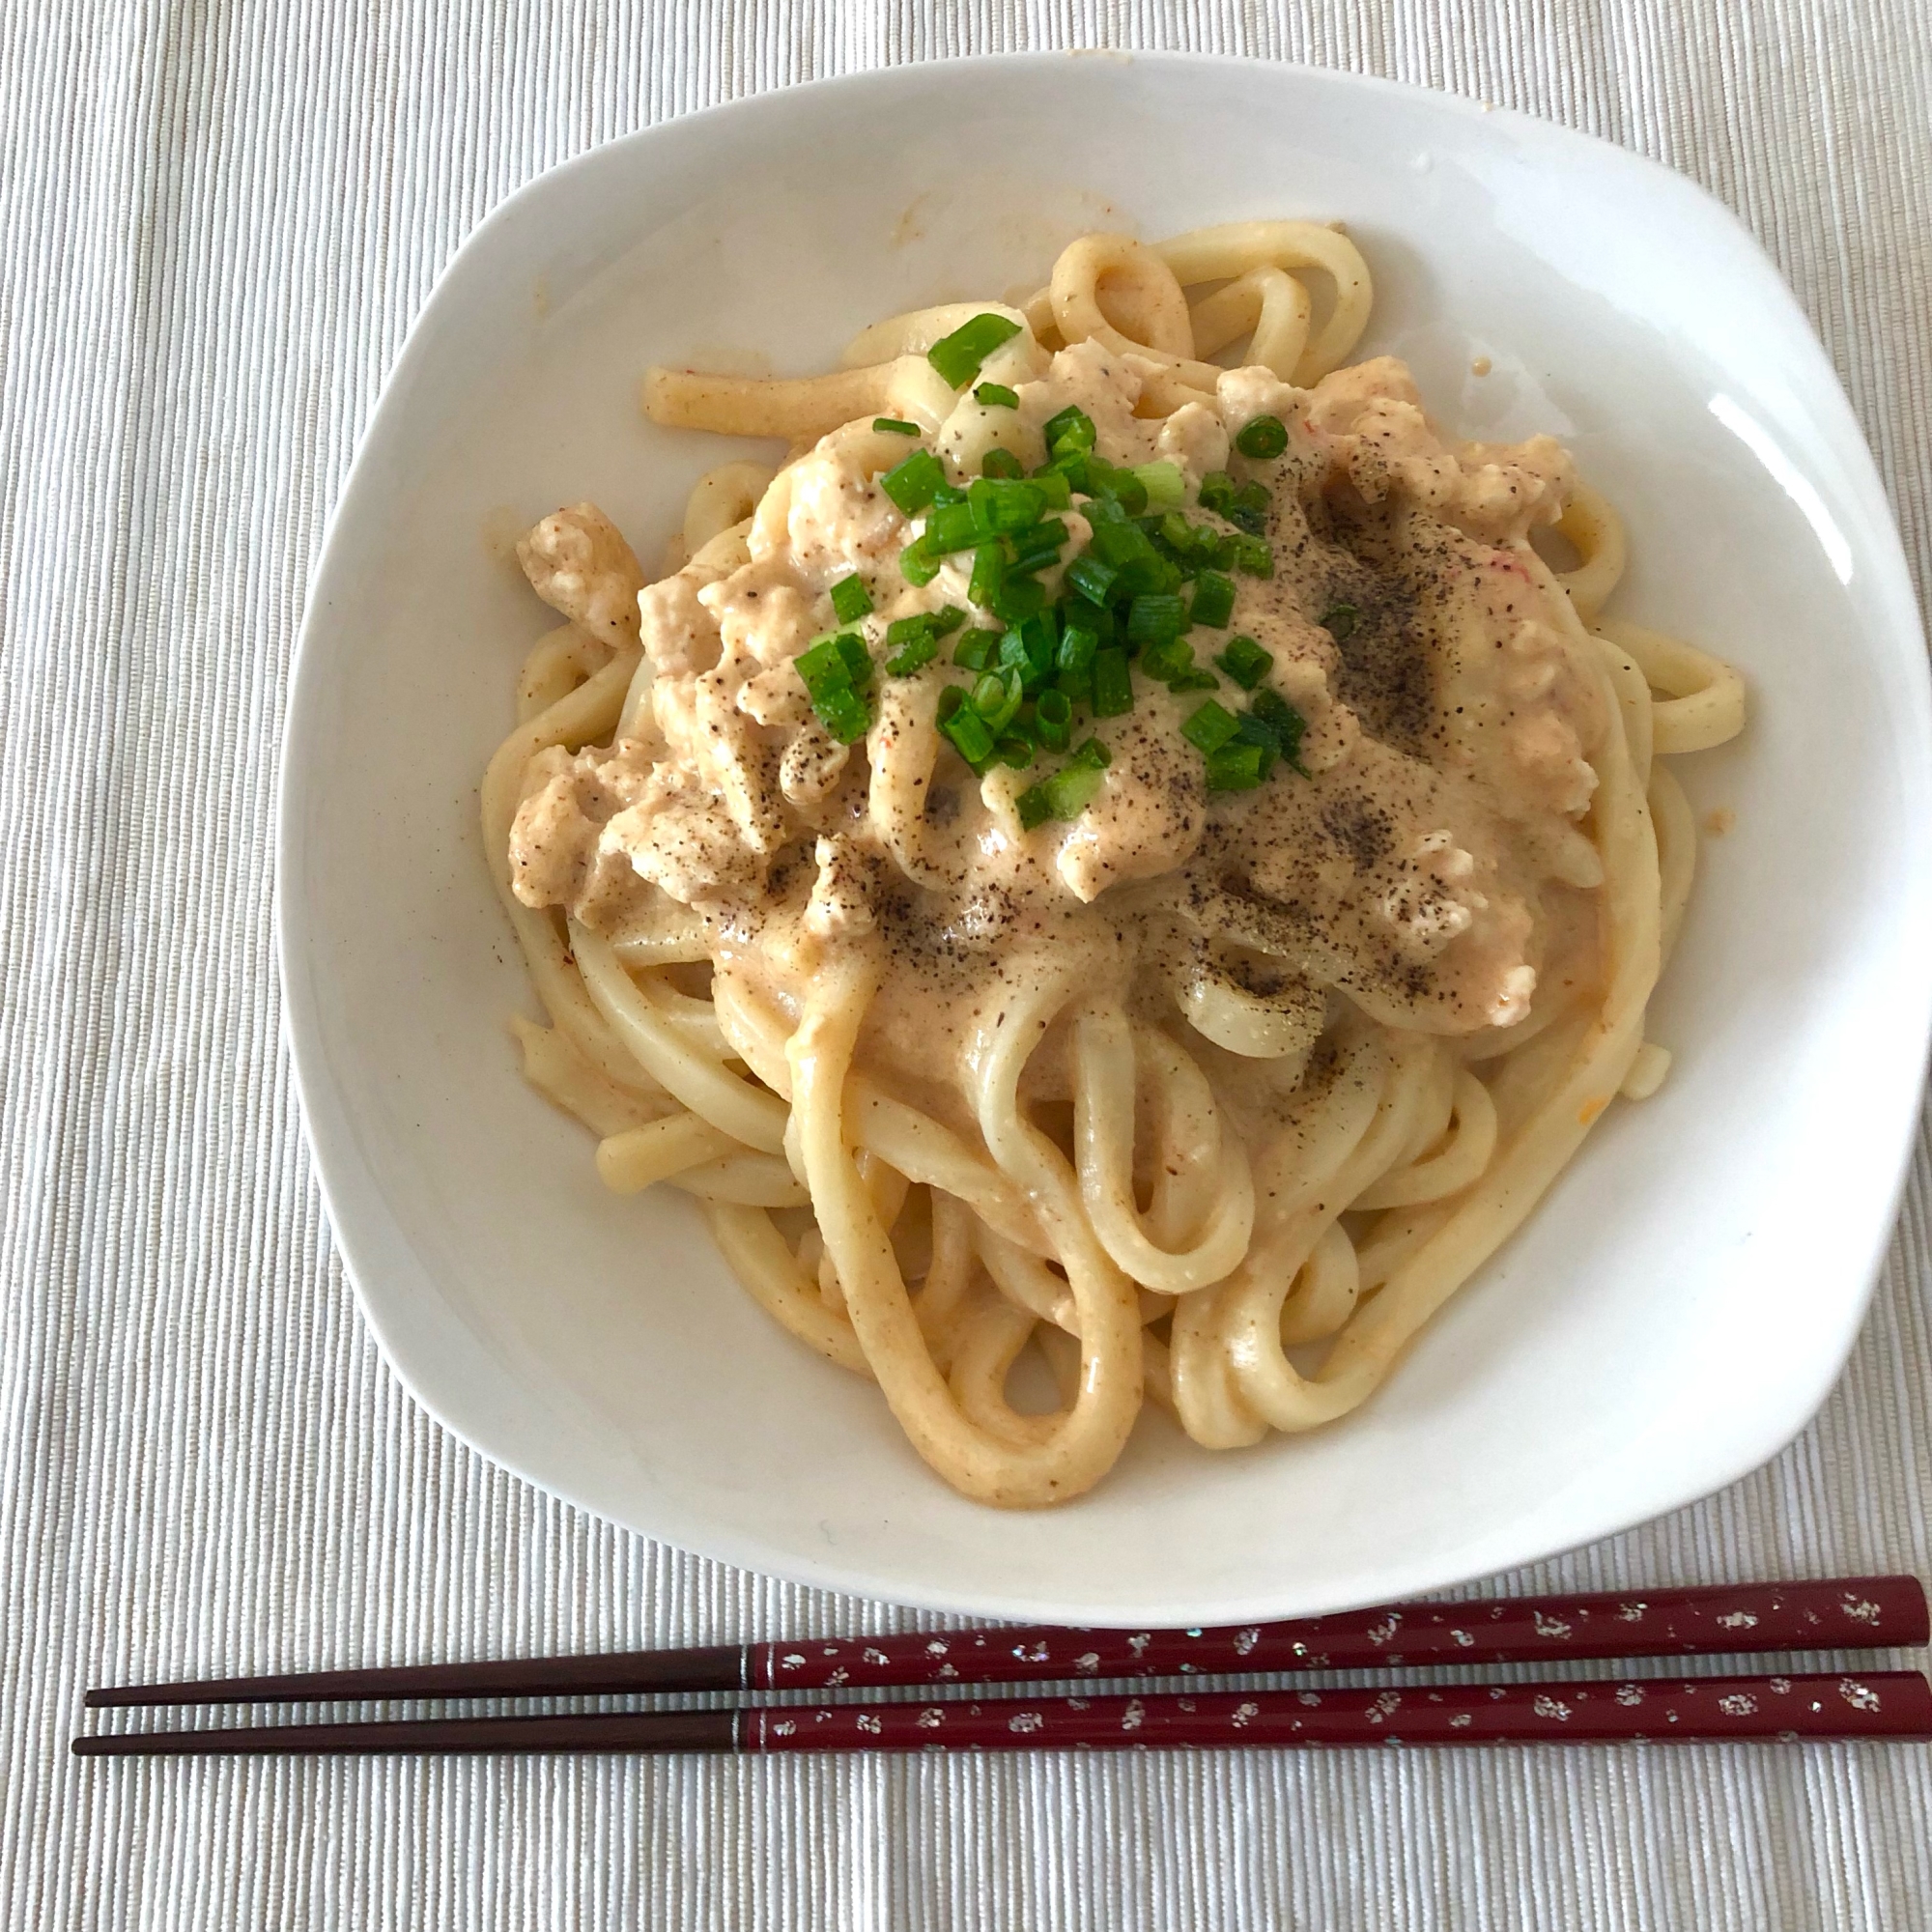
column 1859, row 1612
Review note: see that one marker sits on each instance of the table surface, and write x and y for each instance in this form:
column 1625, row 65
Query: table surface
column 216, row 224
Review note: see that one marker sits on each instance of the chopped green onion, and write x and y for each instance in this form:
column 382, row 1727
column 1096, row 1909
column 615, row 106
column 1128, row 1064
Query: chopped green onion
column 845, row 714
column 821, row 663
column 1210, row 726
column 1017, row 599
column 1148, row 575
column 1091, row 577
column 1034, row 806
column 947, row 494
column 1075, row 684
column 1253, row 556
column 857, row 659
column 1077, row 645
column 1245, row 662
column 1056, row 491
column 1065, row 795
column 918, row 563
column 996, row 698
column 1248, row 508
column 1236, row 767
column 950, row 698
column 1031, row 647
column 947, row 619
column 1003, row 464
column 1167, row 659
column 1119, row 543
column 1113, row 685
column 894, row 426
column 920, row 650
column 975, row 650
column 1339, row 620
column 953, row 528
column 914, row 483
column 835, row 672
column 989, row 572
column 1094, row 753
column 1016, row 751
column 1070, row 431
column 1165, row 486
column 957, row 357
column 1283, row 723
column 1000, row 506
column 996, row 396
column 1214, row 600
column 1053, row 720
column 967, row 730
column 1040, row 545
column 851, row 600
column 1263, row 438
column 1156, row 620
column 1194, row 680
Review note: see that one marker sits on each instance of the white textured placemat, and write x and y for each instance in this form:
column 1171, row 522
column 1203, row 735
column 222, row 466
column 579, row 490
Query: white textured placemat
column 216, row 221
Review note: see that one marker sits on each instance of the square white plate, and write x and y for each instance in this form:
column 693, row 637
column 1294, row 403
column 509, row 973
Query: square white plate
column 1682, row 1301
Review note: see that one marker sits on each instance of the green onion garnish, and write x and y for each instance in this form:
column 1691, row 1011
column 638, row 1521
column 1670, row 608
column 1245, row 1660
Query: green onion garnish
column 990, row 573
column 1245, row 662
column 914, row 483
column 1000, row 506
column 1248, row 508
column 1056, row 491
column 919, row 651
column 894, row 426
column 1213, row 599
column 1283, row 723
column 851, row 599
column 1017, row 599
column 953, row 528
column 975, row 650
column 957, row 357
column 834, row 673
column 1069, row 432
column 1053, row 720
column 1210, row 726
column 1236, row 767
column 1193, row 679
column 996, row 698
column 1015, row 749
column 1156, row 620
column 1217, row 492
column 996, row 396
column 1077, row 647
column 1253, row 556
column 918, row 564
column 1113, row 685
column 1263, row 438
column 1339, row 620
column 1001, row 463
column 1165, row 486
column 970, row 738
column 1041, row 544
column 1069, row 792
column 1092, row 579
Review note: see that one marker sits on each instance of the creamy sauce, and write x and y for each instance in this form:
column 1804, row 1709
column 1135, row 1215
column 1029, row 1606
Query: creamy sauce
column 1430, row 866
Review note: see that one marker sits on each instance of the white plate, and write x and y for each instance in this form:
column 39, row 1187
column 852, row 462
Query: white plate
column 1680, row 1304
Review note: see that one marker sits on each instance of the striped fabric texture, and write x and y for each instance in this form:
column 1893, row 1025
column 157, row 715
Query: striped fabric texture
column 216, row 221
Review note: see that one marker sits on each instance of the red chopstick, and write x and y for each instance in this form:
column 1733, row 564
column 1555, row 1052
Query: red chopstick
column 1856, row 1612
column 1882, row 1704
